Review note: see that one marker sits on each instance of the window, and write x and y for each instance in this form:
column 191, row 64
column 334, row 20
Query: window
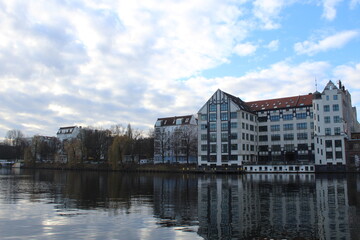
column 251, row 127
column 337, row 143
column 234, row 147
column 300, row 126
column 275, row 137
column 224, row 148
column 329, row 155
column 289, row 136
column 328, row 143
column 224, row 137
column 204, row 147
column 203, row 158
column 327, row 131
column 335, row 97
column 213, row 148
column 212, row 127
column 224, row 116
column 252, row 148
column 251, row 118
column 301, row 115
column 204, row 117
column 212, row 137
column 336, row 107
column 302, row 147
column 288, row 117
column 262, row 128
column 251, row 137
column 276, row 148
column 326, row 108
column 224, row 107
column 233, row 124
column 337, row 119
column 289, row 147
column 262, row 119
column 224, row 126
column 275, row 128
column 288, row 127
column 302, row 136
column 312, row 125
column 212, row 108
column 338, row 154
column 327, row 98
column 337, row 131
column 263, row 138
column 327, row 119
column 212, row 117
column 203, row 137
column 233, row 115
column 233, row 135
column 203, row 126
column 274, row 118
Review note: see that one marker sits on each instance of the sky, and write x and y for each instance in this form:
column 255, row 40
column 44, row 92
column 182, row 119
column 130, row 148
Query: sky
column 101, row 63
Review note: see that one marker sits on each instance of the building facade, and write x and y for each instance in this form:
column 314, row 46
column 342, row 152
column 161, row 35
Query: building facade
column 176, row 140
column 65, row 133
column 292, row 134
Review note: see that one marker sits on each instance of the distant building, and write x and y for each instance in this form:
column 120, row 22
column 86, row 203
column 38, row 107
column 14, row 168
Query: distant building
column 176, row 140
column 292, row 134
column 65, row 133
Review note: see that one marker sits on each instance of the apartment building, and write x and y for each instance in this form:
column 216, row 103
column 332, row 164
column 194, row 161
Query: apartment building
column 292, row 134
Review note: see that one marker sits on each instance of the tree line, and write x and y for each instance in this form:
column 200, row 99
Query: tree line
column 115, row 146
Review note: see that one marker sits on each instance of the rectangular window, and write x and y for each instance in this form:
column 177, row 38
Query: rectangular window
column 224, row 116
column 337, row 143
column 251, row 137
column 337, row 119
column 212, row 117
column 263, row 138
column 251, row 127
column 234, row 147
column 338, row 154
column 203, row 157
column 203, row 137
column 262, row 119
column 301, row 115
column 251, row 118
column 204, row 117
column 327, row 119
column 275, row 118
column 233, row 115
column 328, row 143
column 335, row 97
column 275, row 128
column 276, row 148
column 212, row 127
column 263, row 148
column 337, row 131
column 224, row 137
column 203, row 126
column 224, row 126
column 288, row 127
column 302, row 136
column 288, row 137
column 233, row 124
column 224, row 148
column 275, row 137
column 204, row 147
column 327, row 131
column 302, row 147
column 224, row 107
column 288, row 117
column 262, row 128
column 213, row 148
column 336, row 107
column 329, row 155
column 301, row 126
column 289, row 147
column 326, row 108
column 233, row 135
column 212, row 108
column 212, row 137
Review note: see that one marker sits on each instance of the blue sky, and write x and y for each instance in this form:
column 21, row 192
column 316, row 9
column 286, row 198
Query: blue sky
column 101, row 63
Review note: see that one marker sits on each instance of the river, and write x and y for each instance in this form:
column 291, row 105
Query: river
column 54, row 204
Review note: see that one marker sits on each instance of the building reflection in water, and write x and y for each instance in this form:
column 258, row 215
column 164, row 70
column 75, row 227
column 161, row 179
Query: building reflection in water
column 276, row 206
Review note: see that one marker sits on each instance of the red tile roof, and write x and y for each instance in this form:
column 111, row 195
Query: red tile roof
column 281, row 103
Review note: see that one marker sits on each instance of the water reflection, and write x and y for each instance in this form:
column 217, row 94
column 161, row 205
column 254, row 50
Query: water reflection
column 85, row 205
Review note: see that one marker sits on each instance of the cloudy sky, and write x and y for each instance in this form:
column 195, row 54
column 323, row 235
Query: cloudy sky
column 106, row 62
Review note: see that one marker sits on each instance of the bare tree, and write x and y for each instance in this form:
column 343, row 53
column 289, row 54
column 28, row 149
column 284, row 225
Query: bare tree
column 14, row 137
column 175, row 142
column 189, row 141
column 160, row 143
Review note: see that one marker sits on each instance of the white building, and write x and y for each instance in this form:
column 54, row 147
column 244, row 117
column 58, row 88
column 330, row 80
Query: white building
column 175, row 140
column 65, row 133
column 292, row 134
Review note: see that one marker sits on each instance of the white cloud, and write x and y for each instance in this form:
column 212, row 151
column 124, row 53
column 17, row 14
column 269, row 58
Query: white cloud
column 350, row 74
column 273, row 45
column 329, row 6
column 245, row 49
column 337, row 40
column 268, row 11
column 353, row 3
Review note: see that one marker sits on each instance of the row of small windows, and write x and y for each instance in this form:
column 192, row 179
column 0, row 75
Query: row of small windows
column 287, row 137
column 286, row 127
column 336, row 119
column 335, row 108
column 224, row 137
column 337, row 131
column 225, row 147
column 224, row 126
column 287, row 147
column 285, row 117
column 224, row 158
